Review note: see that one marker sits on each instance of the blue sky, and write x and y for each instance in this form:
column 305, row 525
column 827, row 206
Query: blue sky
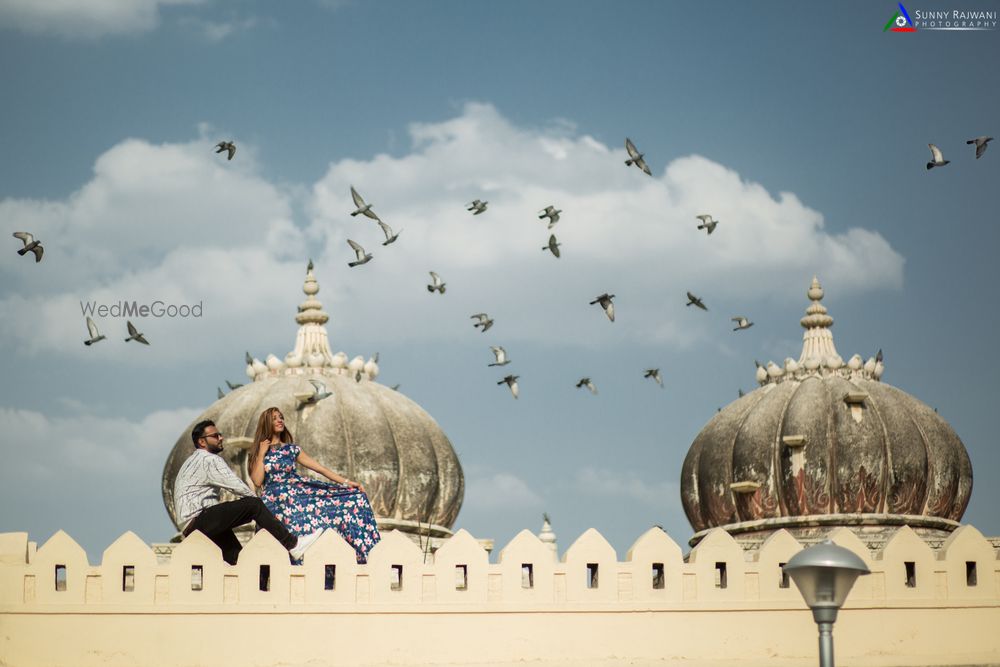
column 804, row 131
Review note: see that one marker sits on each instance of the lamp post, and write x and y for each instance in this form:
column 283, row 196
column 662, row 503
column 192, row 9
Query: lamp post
column 825, row 574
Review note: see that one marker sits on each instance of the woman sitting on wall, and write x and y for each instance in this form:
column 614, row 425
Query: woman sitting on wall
column 306, row 505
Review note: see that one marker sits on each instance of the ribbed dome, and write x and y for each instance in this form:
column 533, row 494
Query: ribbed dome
column 364, row 430
column 821, row 437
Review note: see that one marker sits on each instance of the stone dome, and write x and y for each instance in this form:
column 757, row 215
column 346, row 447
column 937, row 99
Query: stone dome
column 825, row 443
column 363, row 429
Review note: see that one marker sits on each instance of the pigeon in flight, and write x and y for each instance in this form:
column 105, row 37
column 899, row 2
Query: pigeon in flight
column 30, row 245
column 219, row 389
column 436, row 283
column 387, row 230
column 606, row 304
column 395, row 387
column 318, row 393
column 707, row 223
column 95, row 335
column 363, row 257
column 552, row 213
column 741, row 323
column 501, row 355
column 511, row 381
column 226, row 146
column 655, row 374
column 939, row 160
column 233, row 385
column 484, row 321
column 980, row 143
column 477, row 206
column 695, row 301
column 133, row 334
column 635, row 157
column 585, row 382
column 552, row 246
column 362, row 208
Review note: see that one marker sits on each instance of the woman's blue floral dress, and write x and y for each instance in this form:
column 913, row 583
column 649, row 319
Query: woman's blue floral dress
column 306, row 505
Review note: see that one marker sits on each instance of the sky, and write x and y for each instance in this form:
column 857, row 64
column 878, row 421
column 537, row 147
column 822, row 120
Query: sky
column 804, row 132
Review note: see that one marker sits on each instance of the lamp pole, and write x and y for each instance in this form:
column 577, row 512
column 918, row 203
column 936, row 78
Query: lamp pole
column 824, row 574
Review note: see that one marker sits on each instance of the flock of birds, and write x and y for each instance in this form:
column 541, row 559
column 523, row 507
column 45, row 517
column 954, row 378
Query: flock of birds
column 483, row 320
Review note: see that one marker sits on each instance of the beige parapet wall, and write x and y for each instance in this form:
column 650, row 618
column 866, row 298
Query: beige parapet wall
column 585, row 609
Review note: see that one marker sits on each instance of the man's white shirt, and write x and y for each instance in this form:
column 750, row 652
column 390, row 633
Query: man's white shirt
column 198, row 483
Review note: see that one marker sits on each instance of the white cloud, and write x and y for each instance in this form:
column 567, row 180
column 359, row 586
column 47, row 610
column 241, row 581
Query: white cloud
column 216, row 31
column 628, row 485
column 178, row 222
column 84, row 19
column 494, row 491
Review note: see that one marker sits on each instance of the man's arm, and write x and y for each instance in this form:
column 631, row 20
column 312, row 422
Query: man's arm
column 222, row 476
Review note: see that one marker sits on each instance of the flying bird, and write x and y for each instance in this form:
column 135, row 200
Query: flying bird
column 552, row 213
column 95, row 335
column 585, row 382
column 362, row 208
column 484, row 321
column 606, row 304
column 226, row 146
column 133, row 334
column 501, row 355
column 695, row 301
column 511, row 381
column 233, row 386
column 387, row 230
column 363, row 257
column 707, row 223
column 553, row 245
column 395, row 387
column 741, row 323
column 655, row 374
column 635, row 157
column 318, row 393
column 477, row 206
column 436, row 283
column 980, row 143
column 30, row 245
column 939, row 160
column 219, row 389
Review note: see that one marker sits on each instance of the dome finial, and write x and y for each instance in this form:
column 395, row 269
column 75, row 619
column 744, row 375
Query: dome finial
column 817, row 341
column 311, row 310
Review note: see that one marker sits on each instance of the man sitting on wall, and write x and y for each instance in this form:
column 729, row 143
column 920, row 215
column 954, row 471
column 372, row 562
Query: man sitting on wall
column 197, row 506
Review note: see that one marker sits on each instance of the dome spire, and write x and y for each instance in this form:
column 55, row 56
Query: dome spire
column 311, row 345
column 817, row 341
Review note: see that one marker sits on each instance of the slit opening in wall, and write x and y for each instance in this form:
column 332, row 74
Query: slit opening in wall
column 60, row 577
column 264, row 580
column 659, row 577
column 970, row 573
column 329, row 577
column 128, row 578
column 197, row 577
column 783, row 582
column 461, row 577
column 720, row 575
column 527, row 575
column 396, row 578
column 911, row 573
column 592, row 575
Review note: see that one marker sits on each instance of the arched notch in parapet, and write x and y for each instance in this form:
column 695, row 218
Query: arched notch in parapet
column 718, row 569
column 396, row 567
column 773, row 582
column 909, row 566
column 331, row 569
column 461, row 569
column 971, row 564
column 656, row 565
column 60, row 571
column 196, row 571
column 128, row 571
column 591, row 568
column 527, row 568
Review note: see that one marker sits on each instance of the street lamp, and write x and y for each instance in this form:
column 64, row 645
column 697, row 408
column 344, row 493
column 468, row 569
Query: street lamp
column 825, row 574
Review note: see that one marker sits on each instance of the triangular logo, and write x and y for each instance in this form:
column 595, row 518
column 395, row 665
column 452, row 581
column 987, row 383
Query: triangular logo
column 900, row 21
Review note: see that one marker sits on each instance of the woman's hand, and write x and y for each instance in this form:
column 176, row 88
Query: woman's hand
column 354, row 485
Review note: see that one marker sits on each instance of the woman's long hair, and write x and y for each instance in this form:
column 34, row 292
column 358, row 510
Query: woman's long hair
column 265, row 431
